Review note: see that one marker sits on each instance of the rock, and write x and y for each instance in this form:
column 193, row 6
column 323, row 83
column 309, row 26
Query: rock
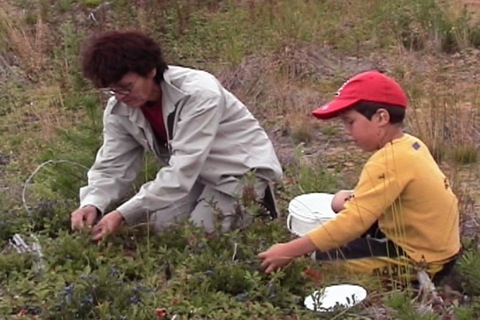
column 4, row 159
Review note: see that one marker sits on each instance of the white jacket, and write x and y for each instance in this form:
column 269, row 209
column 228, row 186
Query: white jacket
column 212, row 139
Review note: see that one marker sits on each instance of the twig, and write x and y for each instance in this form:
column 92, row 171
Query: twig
column 21, row 247
column 19, row 244
column 235, row 249
column 37, row 249
column 426, row 285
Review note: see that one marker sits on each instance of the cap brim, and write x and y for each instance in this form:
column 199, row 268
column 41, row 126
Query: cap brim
column 333, row 108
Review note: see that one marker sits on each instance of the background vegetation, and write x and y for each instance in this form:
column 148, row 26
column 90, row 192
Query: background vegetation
column 282, row 58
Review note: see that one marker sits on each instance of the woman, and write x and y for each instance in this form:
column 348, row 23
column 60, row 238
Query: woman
column 208, row 139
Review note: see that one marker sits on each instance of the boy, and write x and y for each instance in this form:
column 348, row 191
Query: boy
column 401, row 188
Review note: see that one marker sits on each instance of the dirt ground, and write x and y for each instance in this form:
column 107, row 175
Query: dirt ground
column 475, row 4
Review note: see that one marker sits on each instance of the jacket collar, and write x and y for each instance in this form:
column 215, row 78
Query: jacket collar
column 171, row 94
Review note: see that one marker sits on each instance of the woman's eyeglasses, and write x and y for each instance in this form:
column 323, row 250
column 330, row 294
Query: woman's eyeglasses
column 118, row 92
column 125, row 91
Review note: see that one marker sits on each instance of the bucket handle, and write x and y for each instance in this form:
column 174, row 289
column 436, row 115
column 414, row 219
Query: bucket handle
column 289, row 220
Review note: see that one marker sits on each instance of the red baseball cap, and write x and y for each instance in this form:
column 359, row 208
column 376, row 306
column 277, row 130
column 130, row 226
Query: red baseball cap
column 371, row 86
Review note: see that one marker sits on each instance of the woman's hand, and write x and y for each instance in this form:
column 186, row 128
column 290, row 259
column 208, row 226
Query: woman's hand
column 83, row 217
column 109, row 224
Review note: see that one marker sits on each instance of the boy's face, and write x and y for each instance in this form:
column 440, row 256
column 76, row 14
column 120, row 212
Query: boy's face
column 365, row 133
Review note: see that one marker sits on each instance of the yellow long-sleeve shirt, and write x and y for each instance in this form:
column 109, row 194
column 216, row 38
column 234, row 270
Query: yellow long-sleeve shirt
column 403, row 188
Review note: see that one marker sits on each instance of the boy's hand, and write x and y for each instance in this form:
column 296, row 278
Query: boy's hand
column 109, row 224
column 83, row 217
column 276, row 257
column 280, row 254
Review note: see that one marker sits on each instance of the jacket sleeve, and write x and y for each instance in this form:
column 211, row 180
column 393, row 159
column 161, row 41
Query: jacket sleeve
column 116, row 166
column 376, row 191
column 193, row 138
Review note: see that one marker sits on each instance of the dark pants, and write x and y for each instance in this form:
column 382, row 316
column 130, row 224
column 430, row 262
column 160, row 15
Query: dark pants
column 374, row 253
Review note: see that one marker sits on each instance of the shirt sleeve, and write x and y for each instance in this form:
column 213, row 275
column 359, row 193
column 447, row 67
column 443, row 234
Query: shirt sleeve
column 191, row 144
column 377, row 189
column 116, row 167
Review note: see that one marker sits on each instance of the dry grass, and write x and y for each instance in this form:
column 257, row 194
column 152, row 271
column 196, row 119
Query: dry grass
column 30, row 46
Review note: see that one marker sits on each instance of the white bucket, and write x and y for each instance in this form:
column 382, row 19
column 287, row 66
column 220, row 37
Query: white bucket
column 308, row 211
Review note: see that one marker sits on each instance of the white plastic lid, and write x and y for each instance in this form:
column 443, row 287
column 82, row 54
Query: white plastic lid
column 344, row 295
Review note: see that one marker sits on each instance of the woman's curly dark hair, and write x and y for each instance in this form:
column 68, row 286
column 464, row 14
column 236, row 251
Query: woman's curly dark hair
column 108, row 56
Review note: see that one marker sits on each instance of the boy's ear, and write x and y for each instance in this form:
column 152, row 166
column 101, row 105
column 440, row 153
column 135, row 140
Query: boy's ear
column 383, row 115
